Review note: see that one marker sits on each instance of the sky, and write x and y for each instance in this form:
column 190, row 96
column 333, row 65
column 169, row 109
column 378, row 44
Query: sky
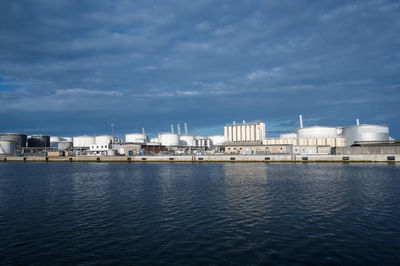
column 70, row 68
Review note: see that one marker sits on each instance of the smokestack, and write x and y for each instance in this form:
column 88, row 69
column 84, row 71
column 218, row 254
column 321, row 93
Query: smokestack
column 178, row 128
column 172, row 129
column 301, row 121
column 186, row 130
column 357, row 122
column 143, row 131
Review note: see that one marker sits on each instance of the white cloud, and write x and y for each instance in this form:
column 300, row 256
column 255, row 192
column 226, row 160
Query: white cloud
column 89, row 92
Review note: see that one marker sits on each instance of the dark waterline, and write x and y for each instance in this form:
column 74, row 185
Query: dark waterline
column 208, row 213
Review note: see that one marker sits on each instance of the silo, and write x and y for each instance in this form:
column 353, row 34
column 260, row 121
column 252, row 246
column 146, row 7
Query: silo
column 7, row 147
column 248, row 130
column 39, row 141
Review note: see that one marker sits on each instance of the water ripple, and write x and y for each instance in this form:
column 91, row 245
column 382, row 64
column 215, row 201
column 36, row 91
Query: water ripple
column 203, row 214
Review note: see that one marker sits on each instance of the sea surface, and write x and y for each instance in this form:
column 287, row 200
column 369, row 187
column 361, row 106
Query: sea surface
column 199, row 213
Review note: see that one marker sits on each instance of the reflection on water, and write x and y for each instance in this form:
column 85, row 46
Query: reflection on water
column 199, row 213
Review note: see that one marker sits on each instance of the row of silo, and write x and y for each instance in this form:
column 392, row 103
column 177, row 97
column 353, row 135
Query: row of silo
column 244, row 132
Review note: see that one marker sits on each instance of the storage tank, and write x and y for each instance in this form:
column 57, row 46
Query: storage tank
column 317, row 132
column 365, row 132
column 217, row 140
column 7, row 147
column 38, row 141
column 168, row 139
column 154, row 140
column 103, row 140
column 64, row 145
column 136, row 138
column 83, row 141
column 187, row 140
column 288, row 136
column 19, row 139
column 55, row 139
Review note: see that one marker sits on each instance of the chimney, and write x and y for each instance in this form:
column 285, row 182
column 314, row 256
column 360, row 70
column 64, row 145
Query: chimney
column 301, row 121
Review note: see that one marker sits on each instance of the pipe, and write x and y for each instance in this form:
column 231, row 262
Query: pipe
column 186, row 128
column 357, row 122
column 172, row 129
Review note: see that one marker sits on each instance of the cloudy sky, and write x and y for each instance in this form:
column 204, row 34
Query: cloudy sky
column 75, row 67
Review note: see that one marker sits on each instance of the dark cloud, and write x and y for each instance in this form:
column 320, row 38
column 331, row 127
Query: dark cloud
column 77, row 66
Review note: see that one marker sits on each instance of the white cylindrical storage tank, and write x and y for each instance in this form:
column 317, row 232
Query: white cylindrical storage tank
column 217, row 140
column 66, row 139
column 103, row 140
column 19, row 139
column 187, row 140
column 317, row 132
column 365, row 132
column 136, row 138
column 7, row 147
column 54, row 139
column 83, row 141
column 64, row 145
column 154, row 140
column 168, row 139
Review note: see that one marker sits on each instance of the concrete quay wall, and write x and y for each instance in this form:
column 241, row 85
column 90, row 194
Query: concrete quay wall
column 212, row 158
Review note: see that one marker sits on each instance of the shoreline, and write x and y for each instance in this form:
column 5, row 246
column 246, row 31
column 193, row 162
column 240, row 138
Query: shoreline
column 391, row 158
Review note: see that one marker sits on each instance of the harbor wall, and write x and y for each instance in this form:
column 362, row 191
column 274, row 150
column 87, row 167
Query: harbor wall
column 213, row 158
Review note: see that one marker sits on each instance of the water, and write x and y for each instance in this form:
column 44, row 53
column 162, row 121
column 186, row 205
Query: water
column 200, row 213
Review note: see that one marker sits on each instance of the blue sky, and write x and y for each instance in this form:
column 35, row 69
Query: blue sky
column 74, row 67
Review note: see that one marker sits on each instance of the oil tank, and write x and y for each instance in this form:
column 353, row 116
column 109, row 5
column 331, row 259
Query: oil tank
column 317, row 132
column 168, row 139
column 19, row 139
column 7, row 147
column 103, row 140
column 55, row 139
column 83, row 141
column 64, row 145
column 365, row 132
column 66, row 139
column 187, row 140
column 217, row 140
column 136, row 138
column 39, row 141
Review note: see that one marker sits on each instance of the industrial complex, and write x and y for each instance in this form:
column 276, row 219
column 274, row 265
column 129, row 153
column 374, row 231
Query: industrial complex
column 239, row 139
